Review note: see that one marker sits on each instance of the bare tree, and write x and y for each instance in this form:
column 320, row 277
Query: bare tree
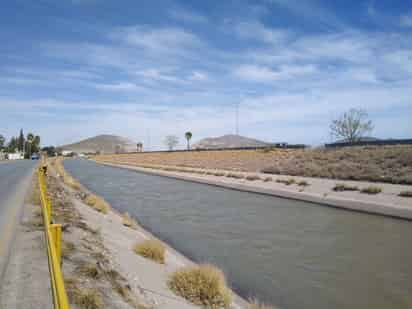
column 351, row 126
column 171, row 141
column 188, row 136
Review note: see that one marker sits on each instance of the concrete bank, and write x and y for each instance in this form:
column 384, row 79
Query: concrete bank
column 146, row 279
column 320, row 191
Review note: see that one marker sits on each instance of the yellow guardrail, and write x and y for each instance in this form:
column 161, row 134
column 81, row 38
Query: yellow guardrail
column 53, row 242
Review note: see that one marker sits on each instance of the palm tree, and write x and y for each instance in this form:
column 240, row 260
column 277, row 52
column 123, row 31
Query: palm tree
column 188, row 136
column 29, row 139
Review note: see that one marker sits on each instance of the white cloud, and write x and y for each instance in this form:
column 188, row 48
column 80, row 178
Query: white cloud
column 187, row 16
column 311, row 11
column 406, row 20
column 157, row 75
column 164, row 40
column 152, row 76
column 371, row 9
column 198, row 76
column 264, row 74
column 121, row 86
column 257, row 31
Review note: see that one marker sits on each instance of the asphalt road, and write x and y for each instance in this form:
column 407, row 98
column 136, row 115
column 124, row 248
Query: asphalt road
column 15, row 177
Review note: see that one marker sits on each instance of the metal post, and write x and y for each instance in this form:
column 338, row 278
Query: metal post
column 56, row 231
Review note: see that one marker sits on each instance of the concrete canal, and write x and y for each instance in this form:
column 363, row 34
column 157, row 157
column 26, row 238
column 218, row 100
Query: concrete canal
column 288, row 253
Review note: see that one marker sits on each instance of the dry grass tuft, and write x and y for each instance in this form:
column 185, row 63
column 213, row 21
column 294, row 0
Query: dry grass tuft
column 235, row 175
column 219, row 174
column 252, row 177
column 87, row 298
column 97, row 203
column 287, row 182
column 151, row 249
column 339, row 187
column 203, row 285
column 303, row 183
column 67, row 249
column 371, row 190
column 406, row 194
column 67, row 178
column 129, row 221
column 84, row 298
column 89, row 270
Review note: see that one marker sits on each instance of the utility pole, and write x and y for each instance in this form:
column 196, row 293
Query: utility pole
column 148, row 139
column 237, row 118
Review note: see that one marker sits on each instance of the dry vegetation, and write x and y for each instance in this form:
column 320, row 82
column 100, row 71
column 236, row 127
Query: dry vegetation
column 406, row 194
column 97, row 203
column 91, row 281
column 203, row 285
column 391, row 164
column 252, row 177
column 151, row 249
column 340, row 187
column 287, row 182
column 87, row 197
column 371, row 190
column 129, row 221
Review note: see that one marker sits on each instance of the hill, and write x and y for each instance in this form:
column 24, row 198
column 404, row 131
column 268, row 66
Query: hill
column 102, row 144
column 228, row 141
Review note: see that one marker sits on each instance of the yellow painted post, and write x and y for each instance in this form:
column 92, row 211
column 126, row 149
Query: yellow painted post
column 56, row 231
column 49, row 208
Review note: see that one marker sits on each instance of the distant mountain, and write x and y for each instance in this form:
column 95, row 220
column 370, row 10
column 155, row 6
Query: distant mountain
column 228, row 141
column 103, row 144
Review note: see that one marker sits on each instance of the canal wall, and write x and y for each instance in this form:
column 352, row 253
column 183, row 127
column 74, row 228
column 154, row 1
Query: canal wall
column 388, row 205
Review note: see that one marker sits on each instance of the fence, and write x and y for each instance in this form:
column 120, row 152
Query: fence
column 371, row 143
column 53, row 243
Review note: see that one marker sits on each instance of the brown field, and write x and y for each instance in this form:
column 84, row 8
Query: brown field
column 392, row 164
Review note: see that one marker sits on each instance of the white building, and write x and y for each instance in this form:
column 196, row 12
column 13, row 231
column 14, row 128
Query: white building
column 66, row 153
column 15, row 156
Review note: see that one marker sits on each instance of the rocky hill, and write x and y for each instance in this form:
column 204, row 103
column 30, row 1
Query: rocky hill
column 228, row 141
column 102, row 144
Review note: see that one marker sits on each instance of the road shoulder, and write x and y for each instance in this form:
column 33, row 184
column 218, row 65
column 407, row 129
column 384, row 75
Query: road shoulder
column 26, row 282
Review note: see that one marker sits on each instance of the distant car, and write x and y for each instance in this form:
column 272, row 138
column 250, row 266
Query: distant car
column 35, row 156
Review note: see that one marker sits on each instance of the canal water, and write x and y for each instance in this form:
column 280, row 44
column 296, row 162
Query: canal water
column 288, row 253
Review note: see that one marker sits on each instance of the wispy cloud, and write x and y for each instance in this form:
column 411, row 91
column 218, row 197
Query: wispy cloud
column 264, row 74
column 406, row 20
column 187, row 16
column 312, row 11
column 187, row 72
column 159, row 40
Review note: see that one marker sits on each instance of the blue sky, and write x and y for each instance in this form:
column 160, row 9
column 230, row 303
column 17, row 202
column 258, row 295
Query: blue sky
column 146, row 69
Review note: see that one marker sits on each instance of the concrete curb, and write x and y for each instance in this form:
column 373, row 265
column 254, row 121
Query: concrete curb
column 342, row 203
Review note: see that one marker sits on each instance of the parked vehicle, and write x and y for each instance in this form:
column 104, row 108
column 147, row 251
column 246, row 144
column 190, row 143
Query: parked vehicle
column 35, row 156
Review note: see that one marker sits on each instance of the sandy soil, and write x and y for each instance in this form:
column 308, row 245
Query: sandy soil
column 319, row 190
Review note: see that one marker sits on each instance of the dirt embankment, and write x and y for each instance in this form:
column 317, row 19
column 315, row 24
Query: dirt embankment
column 391, row 164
